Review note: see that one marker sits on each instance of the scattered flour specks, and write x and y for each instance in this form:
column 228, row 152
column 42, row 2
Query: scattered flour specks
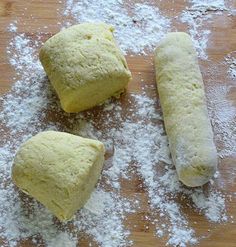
column 213, row 206
column 200, row 37
column 136, row 142
column 24, row 113
column 200, row 13
column 105, row 221
column 163, row 185
column 63, row 239
column 13, row 27
column 231, row 61
column 19, row 114
column 130, row 26
column 206, row 5
column 223, row 118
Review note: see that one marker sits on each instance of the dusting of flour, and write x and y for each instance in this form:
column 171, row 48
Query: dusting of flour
column 136, row 136
column 25, row 111
column 223, row 115
column 136, row 30
column 197, row 16
column 230, row 60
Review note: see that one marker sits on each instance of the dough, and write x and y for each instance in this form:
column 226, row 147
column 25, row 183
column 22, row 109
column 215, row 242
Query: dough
column 85, row 66
column 183, row 103
column 58, row 169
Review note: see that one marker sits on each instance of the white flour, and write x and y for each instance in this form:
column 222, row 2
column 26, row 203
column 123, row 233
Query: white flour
column 212, row 205
column 163, row 185
column 13, row 27
column 24, row 113
column 105, row 222
column 223, row 118
column 137, row 30
column 137, row 146
column 206, row 5
column 21, row 114
column 63, row 239
column 200, row 38
column 196, row 17
column 231, row 61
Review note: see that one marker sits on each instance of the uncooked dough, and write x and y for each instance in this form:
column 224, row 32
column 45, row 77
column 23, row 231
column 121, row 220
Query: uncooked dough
column 85, row 66
column 59, row 169
column 183, row 103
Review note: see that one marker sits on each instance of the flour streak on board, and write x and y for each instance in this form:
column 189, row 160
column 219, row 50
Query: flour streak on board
column 135, row 136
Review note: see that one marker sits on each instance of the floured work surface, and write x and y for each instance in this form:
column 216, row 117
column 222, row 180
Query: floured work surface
column 139, row 200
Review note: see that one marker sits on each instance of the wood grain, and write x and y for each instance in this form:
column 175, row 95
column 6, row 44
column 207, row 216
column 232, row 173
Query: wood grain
column 222, row 42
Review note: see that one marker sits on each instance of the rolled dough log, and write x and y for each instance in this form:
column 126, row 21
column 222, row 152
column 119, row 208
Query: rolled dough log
column 85, row 66
column 183, row 103
column 58, row 169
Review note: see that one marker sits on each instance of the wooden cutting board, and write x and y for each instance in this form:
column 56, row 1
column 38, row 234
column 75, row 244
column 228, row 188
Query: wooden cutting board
column 222, row 42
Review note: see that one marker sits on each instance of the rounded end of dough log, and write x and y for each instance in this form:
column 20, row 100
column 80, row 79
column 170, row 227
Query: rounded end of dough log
column 194, row 176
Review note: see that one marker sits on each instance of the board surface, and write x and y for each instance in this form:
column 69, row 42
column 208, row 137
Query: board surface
column 222, row 42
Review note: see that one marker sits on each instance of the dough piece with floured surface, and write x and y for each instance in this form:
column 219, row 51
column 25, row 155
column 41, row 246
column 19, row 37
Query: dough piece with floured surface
column 85, row 66
column 182, row 97
column 59, row 169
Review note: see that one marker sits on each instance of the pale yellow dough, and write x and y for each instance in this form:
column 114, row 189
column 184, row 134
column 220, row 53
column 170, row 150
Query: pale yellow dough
column 183, row 103
column 85, row 66
column 59, row 169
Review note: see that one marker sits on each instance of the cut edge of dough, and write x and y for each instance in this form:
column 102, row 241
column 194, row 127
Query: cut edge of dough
column 62, row 213
column 194, row 176
column 96, row 169
column 69, row 105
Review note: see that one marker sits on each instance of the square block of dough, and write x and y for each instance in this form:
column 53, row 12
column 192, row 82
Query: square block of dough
column 59, row 169
column 85, row 66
